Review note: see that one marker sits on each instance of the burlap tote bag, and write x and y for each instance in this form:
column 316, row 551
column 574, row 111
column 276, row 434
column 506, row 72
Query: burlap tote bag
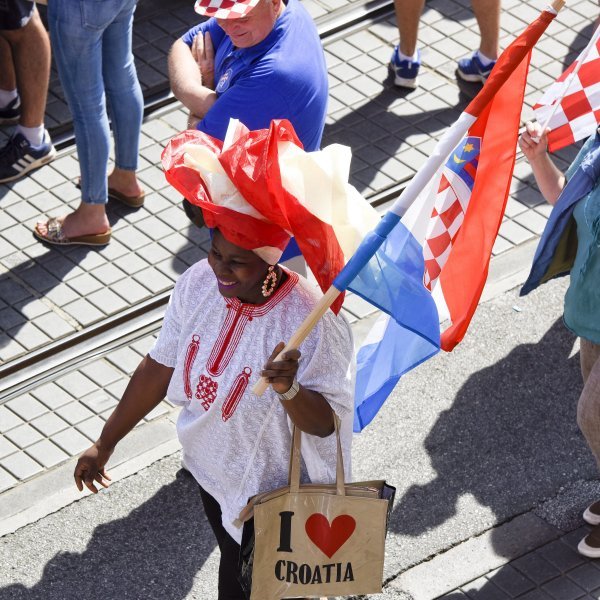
column 318, row 539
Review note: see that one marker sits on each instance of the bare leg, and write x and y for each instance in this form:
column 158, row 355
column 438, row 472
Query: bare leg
column 125, row 182
column 487, row 13
column 8, row 80
column 588, row 409
column 87, row 219
column 30, row 47
column 408, row 15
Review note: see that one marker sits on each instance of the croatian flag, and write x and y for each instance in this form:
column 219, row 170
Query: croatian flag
column 428, row 258
column 571, row 105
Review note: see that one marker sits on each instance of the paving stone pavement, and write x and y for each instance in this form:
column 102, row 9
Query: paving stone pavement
column 554, row 571
column 47, row 294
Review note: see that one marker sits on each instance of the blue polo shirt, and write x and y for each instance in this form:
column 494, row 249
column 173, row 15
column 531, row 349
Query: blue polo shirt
column 282, row 77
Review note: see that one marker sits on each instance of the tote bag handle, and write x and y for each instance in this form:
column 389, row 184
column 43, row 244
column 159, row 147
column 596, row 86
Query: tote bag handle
column 295, row 458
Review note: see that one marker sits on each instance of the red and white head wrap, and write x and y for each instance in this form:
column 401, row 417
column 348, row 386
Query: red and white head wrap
column 260, row 187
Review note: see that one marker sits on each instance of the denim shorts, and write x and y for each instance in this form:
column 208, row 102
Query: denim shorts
column 15, row 14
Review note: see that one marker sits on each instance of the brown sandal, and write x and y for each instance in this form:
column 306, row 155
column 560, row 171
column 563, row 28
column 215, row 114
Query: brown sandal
column 56, row 236
column 131, row 201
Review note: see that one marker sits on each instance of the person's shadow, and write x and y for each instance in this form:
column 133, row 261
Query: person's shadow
column 376, row 132
column 579, row 43
column 154, row 553
column 509, row 437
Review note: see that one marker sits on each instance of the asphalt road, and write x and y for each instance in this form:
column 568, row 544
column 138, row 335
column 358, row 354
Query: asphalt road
column 470, row 439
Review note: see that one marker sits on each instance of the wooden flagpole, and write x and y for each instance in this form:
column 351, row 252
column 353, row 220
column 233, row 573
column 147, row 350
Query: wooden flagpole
column 300, row 334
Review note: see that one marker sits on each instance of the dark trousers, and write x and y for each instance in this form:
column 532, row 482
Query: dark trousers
column 229, row 586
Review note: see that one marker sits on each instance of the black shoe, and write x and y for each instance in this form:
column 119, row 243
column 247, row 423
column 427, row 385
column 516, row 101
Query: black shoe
column 19, row 157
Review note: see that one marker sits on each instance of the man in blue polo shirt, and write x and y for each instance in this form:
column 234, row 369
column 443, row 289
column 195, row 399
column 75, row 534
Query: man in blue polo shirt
column 268, row 64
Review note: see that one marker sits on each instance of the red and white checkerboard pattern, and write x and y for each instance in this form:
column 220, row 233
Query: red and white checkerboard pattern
column 225, row 9
column 446, row 218
column 579, row 111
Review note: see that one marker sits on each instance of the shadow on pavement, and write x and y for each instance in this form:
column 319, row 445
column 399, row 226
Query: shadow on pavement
column 509, row 437
column 154, row 553
column 376, row 133
column 579, row 43
column 46, row 275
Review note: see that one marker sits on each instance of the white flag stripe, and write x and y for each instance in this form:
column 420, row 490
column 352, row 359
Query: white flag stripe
column 439, row 156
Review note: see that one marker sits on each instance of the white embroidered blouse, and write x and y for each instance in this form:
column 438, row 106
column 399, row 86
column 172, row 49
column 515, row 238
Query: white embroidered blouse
column 234, row 443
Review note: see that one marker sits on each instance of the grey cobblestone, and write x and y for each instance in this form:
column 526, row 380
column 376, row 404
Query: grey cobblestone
column 76, row 384
column 586, row 576
column 124, row 359
column 71, row 441
column 107, row 301
column 101, row 372
column 561, row 556
column 51, row 395
column 26, row 407
column 99, row 401
column 21, row 466
column 53, row 325
column 563, row 589
column 47, row 454
column 8, row 419
column 74, row 413
column 6, row 447
column 83, row 312
column 6, row 480
column 91, row 428
column 23, row 436
column 49, row 424
column 131, row 291
column 536, row 568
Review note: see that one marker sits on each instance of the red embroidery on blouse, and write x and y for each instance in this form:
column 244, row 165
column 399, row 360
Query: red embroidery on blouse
column 190, row 357
column 228, row 340
column 206, row 391
column 235, row 393
column 238, row 315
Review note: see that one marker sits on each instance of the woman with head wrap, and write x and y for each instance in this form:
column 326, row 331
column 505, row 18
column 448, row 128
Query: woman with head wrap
column 223, row 328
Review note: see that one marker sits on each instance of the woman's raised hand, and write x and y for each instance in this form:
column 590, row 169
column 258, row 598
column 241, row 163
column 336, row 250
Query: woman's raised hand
column 281, row 373
column 533, row 142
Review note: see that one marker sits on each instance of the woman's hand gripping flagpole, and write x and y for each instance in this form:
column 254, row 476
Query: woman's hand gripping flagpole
column 514, row 55
column 299, row 336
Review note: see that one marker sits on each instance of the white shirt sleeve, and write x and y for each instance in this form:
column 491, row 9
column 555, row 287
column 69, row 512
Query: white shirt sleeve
column 165, row 349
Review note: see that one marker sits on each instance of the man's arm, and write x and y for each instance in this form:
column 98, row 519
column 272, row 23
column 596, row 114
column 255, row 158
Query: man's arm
column 186, row 79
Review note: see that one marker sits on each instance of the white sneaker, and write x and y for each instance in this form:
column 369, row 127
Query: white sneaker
column 591, row 514
column 586, row 550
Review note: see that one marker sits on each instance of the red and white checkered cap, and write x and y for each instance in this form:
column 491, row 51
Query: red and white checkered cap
column 225, row 9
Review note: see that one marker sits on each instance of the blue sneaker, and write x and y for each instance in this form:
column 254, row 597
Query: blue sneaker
column 472, row 69
column 11, row 112
column 405, row 71
column 18, row 157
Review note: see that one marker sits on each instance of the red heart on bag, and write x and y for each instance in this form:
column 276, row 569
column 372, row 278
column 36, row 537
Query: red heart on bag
column 329, row 538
